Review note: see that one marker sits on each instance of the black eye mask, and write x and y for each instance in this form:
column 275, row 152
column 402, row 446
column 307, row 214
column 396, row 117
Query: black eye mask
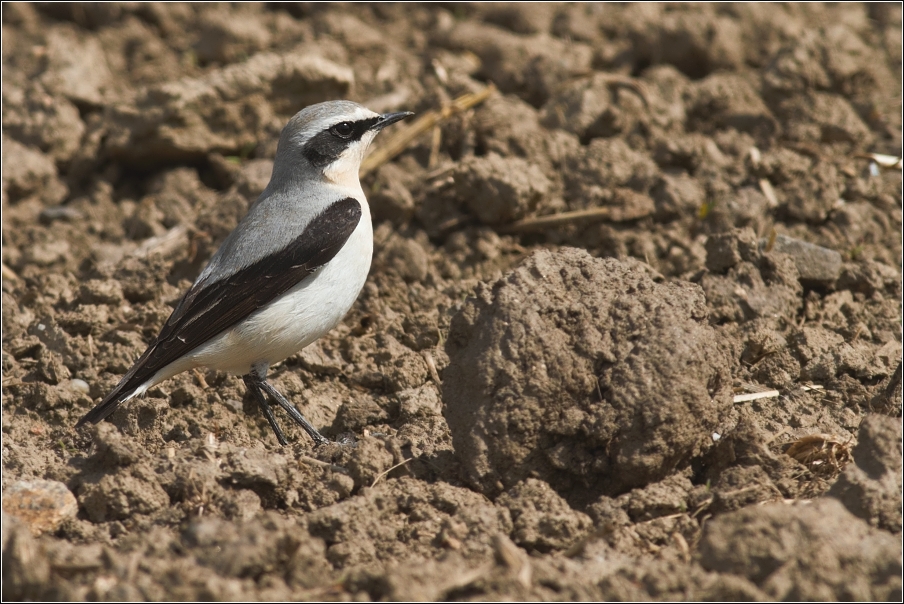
column 327, row 146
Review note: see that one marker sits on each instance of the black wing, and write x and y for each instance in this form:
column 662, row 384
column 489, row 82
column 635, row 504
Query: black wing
column 208, row 309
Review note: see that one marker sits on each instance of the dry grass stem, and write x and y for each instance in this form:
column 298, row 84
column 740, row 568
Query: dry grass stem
column 768, row 192
column 200, row 378
column 754, row 396
column 431, row 367
column 542, row 222
column 889, row 162
column 385, row 472
column 771, row 243
column 403, row 137
column 821, row 454
column 9, row 273
column 172, row 241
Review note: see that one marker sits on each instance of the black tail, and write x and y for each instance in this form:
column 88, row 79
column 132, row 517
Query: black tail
column 107, row 406
column 129, row 383
column 140, row 372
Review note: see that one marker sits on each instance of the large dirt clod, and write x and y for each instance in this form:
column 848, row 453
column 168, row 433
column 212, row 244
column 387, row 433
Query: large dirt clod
column 871, row 487
column 585, row 373
column 815, row 551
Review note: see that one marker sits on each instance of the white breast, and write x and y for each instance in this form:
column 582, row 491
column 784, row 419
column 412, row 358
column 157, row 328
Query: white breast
column 300, row 316
column 297, row 318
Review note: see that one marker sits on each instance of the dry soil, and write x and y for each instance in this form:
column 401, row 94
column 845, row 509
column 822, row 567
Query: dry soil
column 529, row 411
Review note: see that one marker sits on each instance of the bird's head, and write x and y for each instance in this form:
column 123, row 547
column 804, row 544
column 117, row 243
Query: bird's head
column 331, row 138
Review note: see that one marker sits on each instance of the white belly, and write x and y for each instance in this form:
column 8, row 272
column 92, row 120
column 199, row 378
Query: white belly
column 303, row 314
column 297, row 318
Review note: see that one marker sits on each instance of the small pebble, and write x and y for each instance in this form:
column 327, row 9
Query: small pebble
column 80, row 386
column 233, row 404
column 42, row 505
column 53, row 213
column 813, row 262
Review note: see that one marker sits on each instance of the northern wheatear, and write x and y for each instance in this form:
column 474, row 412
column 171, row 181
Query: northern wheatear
column 285, row 276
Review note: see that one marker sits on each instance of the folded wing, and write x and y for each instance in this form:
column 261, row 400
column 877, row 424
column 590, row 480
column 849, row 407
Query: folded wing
column 209, row 308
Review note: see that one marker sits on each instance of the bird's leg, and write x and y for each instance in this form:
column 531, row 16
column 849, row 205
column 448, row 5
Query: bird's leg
column 293, row 413
column 254, row 382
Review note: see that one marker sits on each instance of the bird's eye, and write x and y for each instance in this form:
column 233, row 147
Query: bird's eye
column 342, row 130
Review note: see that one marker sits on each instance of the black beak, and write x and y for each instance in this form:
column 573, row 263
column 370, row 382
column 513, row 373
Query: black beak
column 390, row 118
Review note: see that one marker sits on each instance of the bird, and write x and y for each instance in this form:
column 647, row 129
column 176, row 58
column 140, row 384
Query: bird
column 285, row 276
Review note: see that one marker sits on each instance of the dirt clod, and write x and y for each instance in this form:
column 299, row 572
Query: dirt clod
column 871, row 488
column 547, row 376
column 499, row 190
column 542, row 520
column 830, row 554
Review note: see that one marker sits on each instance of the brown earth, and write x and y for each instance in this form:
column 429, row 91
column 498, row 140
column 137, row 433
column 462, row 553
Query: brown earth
column 533, row 421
